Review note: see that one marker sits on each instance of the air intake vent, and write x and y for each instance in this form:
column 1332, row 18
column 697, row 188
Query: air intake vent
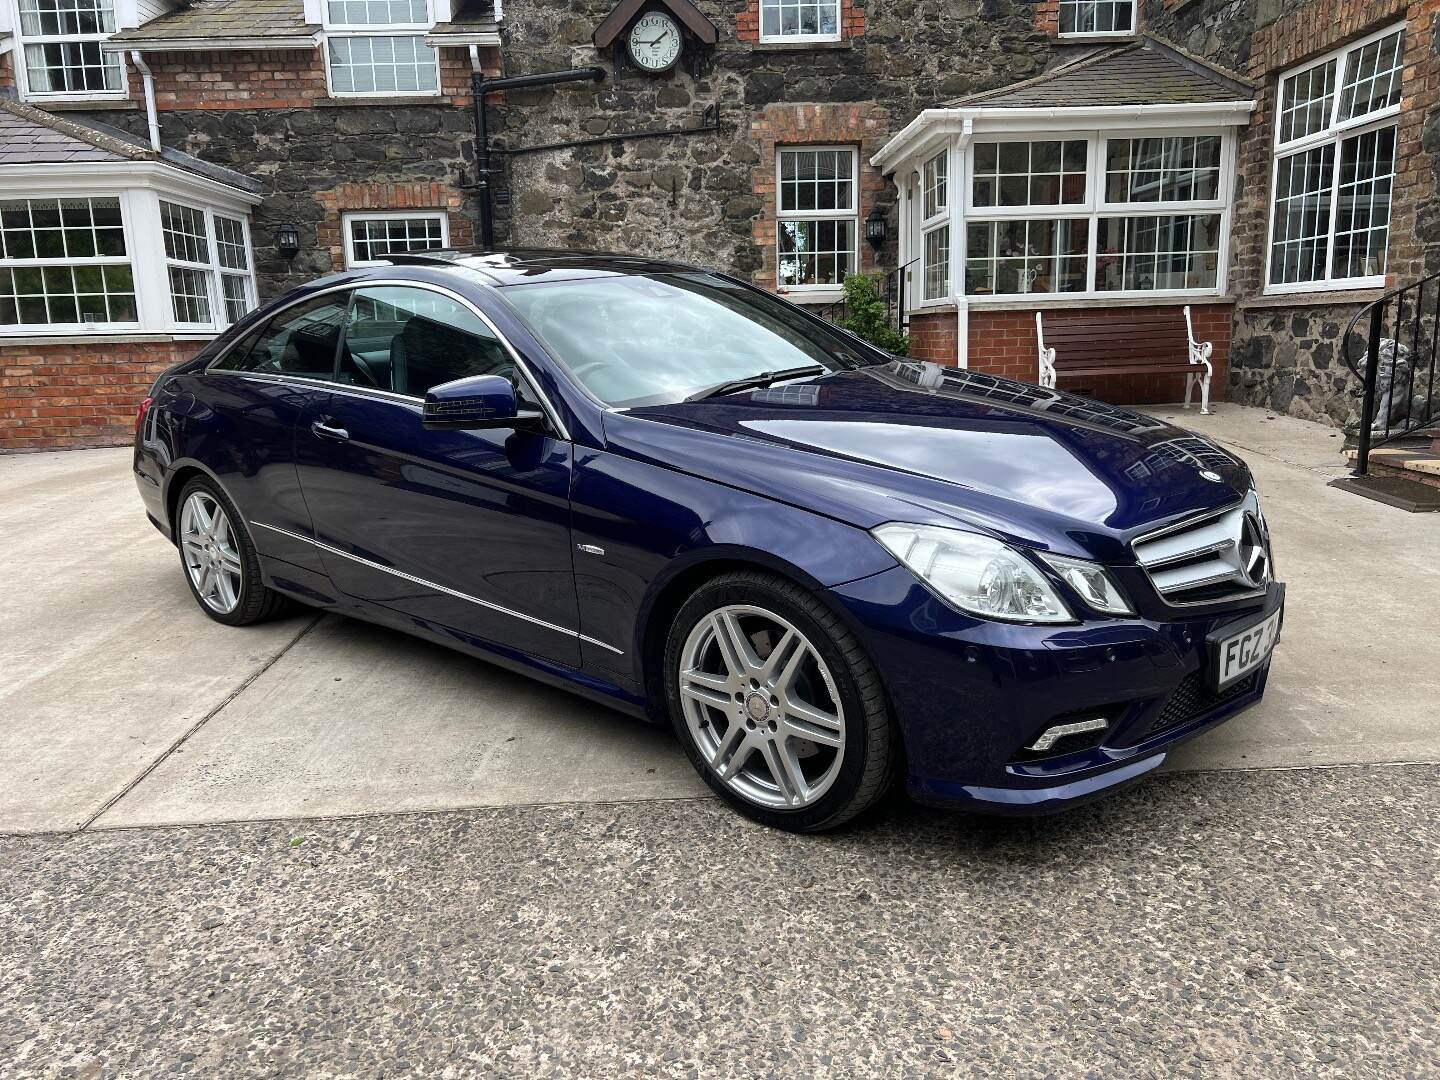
column 1224, row 556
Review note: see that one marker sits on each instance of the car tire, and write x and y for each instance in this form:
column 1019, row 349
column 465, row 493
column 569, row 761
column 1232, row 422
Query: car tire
column 777, row 715
column 223, row 551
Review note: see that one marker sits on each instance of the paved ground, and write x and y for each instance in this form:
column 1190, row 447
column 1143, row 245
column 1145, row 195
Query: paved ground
column 1255, row 924
column 582, row 911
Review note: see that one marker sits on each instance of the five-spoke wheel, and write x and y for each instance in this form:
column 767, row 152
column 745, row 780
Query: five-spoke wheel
column 777, row 704
column 220, row 563
column 207, row 544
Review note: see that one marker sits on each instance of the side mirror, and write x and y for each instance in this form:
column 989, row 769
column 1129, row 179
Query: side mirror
column 481, row 401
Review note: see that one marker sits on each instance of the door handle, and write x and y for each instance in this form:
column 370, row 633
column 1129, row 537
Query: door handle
column 325, row 431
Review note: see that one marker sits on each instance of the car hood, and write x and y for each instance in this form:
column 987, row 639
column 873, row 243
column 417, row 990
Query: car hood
column 923, row 443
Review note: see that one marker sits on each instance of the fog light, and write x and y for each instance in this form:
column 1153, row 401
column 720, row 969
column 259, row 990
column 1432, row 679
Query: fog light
column 1059, row 731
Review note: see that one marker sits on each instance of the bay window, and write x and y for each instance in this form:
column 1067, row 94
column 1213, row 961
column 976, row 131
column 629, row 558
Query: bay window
column 59, row 45
column 210, row 283
column 818, row 217
column 802, row 20
column 1335, row 167
column 1091, row 213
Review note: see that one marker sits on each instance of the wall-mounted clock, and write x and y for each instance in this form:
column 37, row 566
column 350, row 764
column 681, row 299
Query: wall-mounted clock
column 653, row 43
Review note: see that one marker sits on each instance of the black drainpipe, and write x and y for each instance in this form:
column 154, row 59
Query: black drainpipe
column 482, row 86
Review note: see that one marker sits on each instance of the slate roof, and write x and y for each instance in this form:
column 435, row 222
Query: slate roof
column 209, row 21
column 1146, row 71
column 30, row 136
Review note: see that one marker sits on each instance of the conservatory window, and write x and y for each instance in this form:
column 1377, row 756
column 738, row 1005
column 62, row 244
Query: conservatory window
column 63, row 262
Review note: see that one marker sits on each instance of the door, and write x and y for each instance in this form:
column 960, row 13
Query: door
column 468, row 531
column 255, row 398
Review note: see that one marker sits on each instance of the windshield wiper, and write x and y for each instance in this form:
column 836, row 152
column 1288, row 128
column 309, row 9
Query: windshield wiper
column 755, row 382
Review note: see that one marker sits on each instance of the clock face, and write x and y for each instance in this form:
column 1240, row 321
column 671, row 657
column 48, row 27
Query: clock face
column 654, row 42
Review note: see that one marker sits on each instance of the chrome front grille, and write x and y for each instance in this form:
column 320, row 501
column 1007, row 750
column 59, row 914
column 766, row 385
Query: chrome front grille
column 1224, row 556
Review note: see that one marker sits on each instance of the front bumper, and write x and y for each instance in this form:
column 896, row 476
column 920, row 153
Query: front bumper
column 970, row 695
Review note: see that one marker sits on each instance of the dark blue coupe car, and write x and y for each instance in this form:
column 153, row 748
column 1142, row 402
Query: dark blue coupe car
column 826, row 566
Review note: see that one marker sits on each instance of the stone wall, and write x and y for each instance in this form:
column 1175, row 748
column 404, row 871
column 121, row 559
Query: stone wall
column 266, row 114
column 705, row 198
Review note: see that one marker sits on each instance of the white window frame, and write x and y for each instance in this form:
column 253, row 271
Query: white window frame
column 783, row 37
column 1060, row 14
column 1097, row 206
column 22, row 68
column 1335, row 133
column 128, row 259
column 331, row 30
column 347, row 218
column 936, row 221
column 818, row 292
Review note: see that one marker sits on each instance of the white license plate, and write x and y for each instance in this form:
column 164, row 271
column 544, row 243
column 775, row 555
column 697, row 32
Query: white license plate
column 1240, row 654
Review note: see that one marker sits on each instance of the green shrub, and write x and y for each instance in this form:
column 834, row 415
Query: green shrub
column 867, row 317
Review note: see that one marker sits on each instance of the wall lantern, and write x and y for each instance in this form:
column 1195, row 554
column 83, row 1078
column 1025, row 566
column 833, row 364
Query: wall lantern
column 877, row 228
column 287, row 241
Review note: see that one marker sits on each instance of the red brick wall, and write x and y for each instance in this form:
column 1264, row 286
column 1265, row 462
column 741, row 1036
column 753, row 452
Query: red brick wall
column 69, row 396
column 271, row 79
column 862, row 125
column 852, row 21
column 1003, row 343
column 420, row 196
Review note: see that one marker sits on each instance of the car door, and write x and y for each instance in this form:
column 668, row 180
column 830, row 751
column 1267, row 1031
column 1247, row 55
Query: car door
column 467, row 531
column 246, row 409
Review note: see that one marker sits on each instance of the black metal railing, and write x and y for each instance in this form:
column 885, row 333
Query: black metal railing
column 1400, row 389
column 892, row 291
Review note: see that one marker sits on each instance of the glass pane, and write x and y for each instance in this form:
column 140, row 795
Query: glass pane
column 1306, row 99
column 382, row 65
column 300, row 340
column 374, row 239
column 1372, row 77
column 1301, row 216
column 1160, row 252
column 937, row 263
column 1362, row 220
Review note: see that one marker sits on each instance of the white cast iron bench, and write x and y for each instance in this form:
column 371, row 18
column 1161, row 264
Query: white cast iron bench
column 1080, row 344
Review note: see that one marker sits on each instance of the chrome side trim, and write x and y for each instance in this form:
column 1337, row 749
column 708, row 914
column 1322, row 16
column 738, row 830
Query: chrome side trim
column 551, row 413
column 437, row 588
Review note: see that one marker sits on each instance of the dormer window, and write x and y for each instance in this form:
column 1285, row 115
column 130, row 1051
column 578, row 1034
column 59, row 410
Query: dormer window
column 377, row 48
column 1086, row 17
column 60, row 49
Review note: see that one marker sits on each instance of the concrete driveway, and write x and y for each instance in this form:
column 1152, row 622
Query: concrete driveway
column 121, row 705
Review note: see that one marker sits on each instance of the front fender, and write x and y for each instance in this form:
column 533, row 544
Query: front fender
column 638, row 527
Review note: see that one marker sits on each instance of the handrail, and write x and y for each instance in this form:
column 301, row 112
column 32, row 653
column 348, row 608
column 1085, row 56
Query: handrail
column 1408, row 319
column 892, row 289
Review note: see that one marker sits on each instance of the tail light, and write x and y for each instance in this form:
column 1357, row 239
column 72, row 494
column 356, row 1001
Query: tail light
column 140, row 416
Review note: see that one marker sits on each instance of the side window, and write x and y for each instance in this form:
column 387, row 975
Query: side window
column 300, row 340
column 408, row 340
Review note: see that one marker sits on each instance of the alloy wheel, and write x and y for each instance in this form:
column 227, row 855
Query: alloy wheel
column 761, row 707
column 207, row 544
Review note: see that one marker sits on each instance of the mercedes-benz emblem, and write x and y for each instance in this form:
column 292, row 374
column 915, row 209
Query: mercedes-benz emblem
column 1212, row 476
column 1253, row 563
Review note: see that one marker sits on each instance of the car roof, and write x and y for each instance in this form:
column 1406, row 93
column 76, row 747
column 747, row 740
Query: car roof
column 519, row 266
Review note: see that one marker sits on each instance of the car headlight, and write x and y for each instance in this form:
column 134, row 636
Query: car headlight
column 974, row 573
column 1092, row 581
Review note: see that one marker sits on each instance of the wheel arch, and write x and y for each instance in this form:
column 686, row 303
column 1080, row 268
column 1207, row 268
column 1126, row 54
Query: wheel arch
column 176, row 478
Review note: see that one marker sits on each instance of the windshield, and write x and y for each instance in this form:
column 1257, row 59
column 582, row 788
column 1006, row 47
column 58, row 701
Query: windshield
column 660, row 338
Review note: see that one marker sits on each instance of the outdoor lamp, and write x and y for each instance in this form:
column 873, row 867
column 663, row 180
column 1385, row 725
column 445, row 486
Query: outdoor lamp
column 287, row 241
column 877, row 228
